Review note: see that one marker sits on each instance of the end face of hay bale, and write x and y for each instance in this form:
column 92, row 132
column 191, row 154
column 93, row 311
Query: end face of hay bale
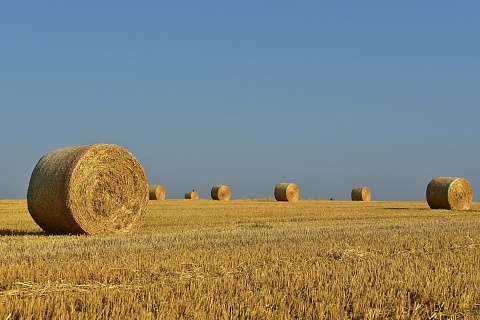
column 286, row 192
column 449, row 193
column 221, row 193
column 93, row 189
column 192, row 195
column 156, row 192
column 361, row 194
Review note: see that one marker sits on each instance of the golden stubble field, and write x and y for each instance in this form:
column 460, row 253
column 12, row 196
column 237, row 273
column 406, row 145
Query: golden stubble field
column 249, row 259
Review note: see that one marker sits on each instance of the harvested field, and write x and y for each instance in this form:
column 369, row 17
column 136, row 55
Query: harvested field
column 249, row 259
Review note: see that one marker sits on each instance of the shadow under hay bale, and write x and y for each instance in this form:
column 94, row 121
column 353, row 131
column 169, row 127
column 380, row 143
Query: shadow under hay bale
column 449, row 193
column 286, row 192
column 157, row 192
column 361, row 194
column 92, row 189
column 221, row 193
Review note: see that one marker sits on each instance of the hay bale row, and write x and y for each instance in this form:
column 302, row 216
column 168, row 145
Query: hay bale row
column 92, row 189
column 102, row 189
column 156, row 192
column 449, row 193
column 221, row 193
column 361, row 194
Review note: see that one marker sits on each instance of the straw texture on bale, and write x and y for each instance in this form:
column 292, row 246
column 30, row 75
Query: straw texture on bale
column 192, row 195
column 286, row 192
column 361, row 194
column 449, row 193
column 92, row 189
column 221, row 192
column 156, row 192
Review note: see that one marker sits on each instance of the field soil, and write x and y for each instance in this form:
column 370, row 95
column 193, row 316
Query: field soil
column 248, row 259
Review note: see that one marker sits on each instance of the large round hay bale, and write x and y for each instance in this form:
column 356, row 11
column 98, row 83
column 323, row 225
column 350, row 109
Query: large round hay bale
column 156, row 192
column 449, row 193
column 361, row 194
column 192, row 195
column 92, row 189
column 221, row 192
column 286, row 192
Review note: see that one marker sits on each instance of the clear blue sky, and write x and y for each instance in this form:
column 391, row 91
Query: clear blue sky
column 329, row 95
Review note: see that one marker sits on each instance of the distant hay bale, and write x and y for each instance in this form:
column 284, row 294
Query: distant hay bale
column 361, row 194
column 156, row 192
column 286, row 192
column 221, row 192
column 192, row 195
column 91, row 189
column 449, row 193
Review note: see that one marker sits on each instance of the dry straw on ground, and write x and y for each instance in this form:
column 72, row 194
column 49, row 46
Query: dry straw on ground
column 449, row 193
column 156, row 192
column 192, row 195
column 221, row 192
column 286, row 192
column 361, row 194
column 92, row 189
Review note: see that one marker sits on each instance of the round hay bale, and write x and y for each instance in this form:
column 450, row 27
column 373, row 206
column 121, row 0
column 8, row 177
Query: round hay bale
column 192, row 195
column 286, row 192
column 361, row 194
column 156, row 192
column 92, row 189
column 449, row 193
column 221, row 192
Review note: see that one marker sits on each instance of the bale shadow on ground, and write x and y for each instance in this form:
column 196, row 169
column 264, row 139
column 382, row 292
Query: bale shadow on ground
column 17, row 232
column 403, row 208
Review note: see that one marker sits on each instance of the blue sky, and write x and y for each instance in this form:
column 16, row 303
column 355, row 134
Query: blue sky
column 329, row 95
